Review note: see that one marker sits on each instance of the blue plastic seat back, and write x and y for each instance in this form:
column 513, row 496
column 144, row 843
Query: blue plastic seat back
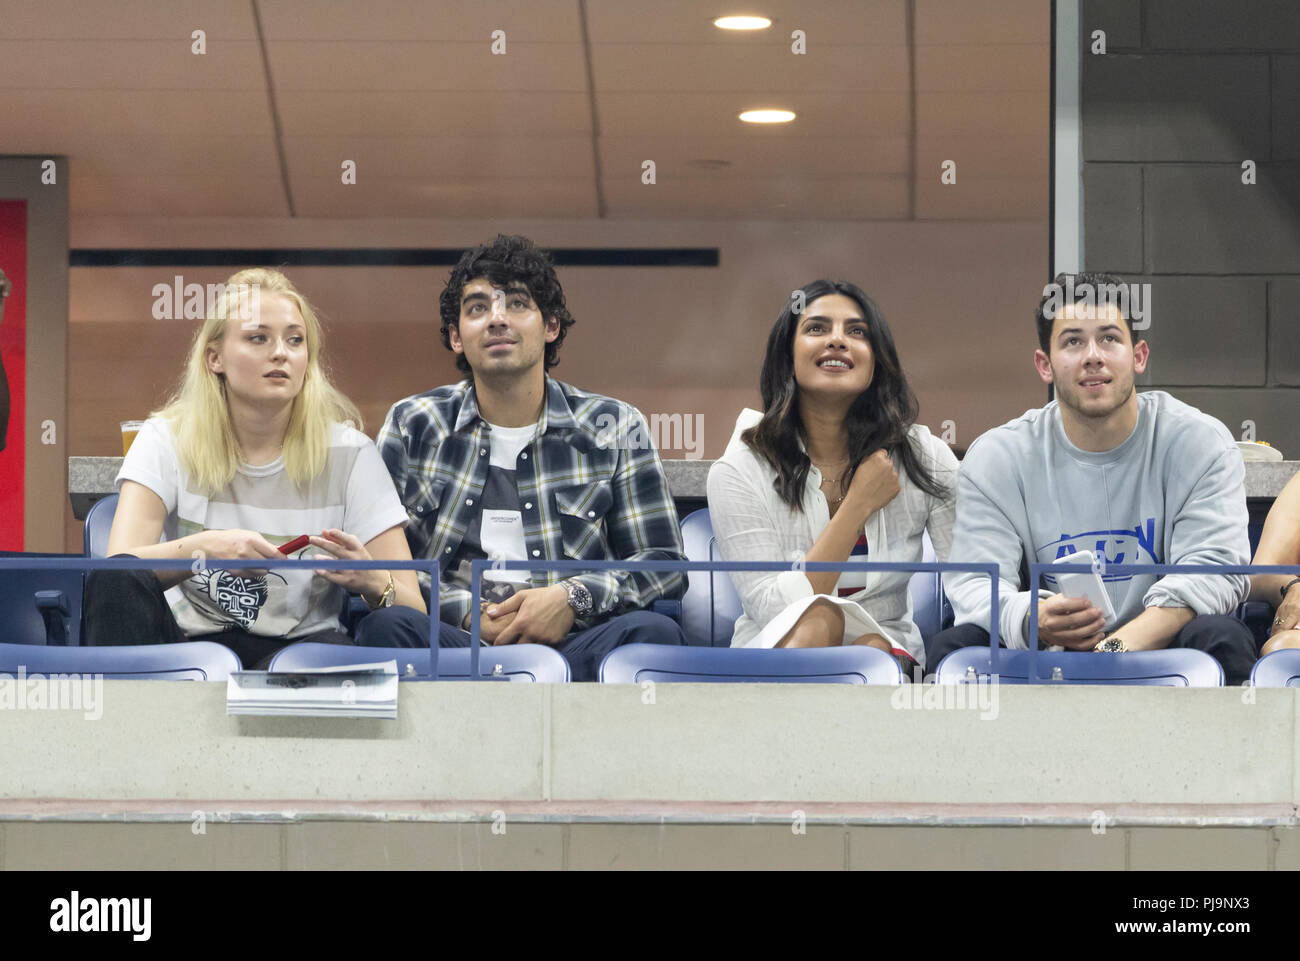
column 99, row 524
column 663, row 663
column 21, row 621
column 1177, row 667
column 1279, row 669
column 711, row 605
column 522, row 663
column 187, row 661
column 926, row 589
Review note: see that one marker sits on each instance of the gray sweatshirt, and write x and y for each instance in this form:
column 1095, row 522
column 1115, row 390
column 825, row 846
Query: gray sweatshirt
column 1172, row 493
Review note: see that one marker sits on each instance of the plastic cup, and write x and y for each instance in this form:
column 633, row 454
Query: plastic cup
column 129, row 429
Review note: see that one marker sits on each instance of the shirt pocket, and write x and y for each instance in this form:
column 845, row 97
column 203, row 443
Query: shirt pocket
column 582, row 511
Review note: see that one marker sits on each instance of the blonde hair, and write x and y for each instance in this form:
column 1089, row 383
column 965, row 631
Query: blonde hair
column 199, row 414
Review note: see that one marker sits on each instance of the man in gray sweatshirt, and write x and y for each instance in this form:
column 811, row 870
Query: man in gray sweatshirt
column 1133, row 478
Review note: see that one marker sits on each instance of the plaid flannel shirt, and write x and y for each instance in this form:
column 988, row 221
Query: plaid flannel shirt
column 592, row 473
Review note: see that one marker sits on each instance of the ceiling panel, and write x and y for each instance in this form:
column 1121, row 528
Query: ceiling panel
column 447, row 198
column 408, row 157
column 200, row 195
column 126, row 19
column 750, row 69
column 418, row 65
column 406, row 114
column 750, row 156
column 440, row 126
column 983, row 22
column 129, row 65
column 825, row 22
column 453, row 21
column 710, row 114
column 795, row 197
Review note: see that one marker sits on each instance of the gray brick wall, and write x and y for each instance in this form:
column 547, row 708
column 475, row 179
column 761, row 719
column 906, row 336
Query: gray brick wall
column 1186, row 91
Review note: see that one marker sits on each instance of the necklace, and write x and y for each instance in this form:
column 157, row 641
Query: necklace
column 827, row 470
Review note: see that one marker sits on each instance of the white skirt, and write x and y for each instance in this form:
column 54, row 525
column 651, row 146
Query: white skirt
column 856, row 622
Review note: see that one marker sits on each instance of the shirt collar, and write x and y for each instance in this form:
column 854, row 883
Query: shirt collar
column 556, row 412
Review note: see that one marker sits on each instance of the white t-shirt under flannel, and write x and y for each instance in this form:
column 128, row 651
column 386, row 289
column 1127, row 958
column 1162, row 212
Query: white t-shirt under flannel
column 354, row 493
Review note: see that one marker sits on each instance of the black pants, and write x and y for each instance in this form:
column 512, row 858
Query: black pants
column 1222, row 636
column 129, row 607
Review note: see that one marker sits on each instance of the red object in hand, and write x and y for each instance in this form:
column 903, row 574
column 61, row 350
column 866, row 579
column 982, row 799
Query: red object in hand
column 298, row 543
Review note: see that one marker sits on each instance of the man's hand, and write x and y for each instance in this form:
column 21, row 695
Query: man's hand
column 1070, row 622
column 542, row 615
column 489, row 628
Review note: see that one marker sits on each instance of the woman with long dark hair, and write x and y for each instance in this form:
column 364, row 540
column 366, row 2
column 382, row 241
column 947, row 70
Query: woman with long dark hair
column 835, row 467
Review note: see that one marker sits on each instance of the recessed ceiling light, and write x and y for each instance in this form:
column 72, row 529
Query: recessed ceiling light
column 767, row 116
column 742, row 23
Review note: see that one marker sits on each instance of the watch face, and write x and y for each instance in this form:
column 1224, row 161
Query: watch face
column 1113, row 645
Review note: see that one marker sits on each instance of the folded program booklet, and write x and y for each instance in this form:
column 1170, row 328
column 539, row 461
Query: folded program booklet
column 347, row 690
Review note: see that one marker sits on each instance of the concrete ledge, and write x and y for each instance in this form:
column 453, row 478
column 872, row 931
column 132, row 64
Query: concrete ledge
column 787, row 745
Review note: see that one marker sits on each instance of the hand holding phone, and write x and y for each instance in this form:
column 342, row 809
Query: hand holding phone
column 297, row 544
column 1088, row 586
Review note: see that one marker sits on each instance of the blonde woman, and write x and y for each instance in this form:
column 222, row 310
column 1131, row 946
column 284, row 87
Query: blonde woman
column 255, row 448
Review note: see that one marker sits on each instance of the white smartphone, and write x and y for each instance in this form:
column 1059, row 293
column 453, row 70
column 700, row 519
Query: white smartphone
column 1089, row 585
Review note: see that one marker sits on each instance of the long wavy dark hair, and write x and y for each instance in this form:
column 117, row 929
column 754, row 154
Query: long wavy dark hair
column 878, row 419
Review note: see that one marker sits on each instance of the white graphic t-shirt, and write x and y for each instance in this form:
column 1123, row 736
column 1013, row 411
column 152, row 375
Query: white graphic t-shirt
column 354, row 493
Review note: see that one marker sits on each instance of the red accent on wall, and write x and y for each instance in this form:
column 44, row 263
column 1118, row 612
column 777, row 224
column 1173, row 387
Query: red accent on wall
column 13, row 353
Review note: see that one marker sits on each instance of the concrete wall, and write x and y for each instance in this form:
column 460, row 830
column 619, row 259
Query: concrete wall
column 1187, row 91
column 693, row 775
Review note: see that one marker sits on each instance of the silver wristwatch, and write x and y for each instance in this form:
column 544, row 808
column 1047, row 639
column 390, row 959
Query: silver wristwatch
column 579, row 597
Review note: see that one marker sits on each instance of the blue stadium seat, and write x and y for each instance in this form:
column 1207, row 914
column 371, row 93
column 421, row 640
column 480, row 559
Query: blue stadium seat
column 712, row 606
column 40, row 607
column 1168, row 668
column 635, row 663
column 99, row 524
column 513, row 662
column 188, row 661
column 1279, row 669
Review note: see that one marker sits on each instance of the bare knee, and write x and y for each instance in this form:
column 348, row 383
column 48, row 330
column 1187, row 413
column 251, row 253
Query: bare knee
column 1281, row 641
column 820, row 625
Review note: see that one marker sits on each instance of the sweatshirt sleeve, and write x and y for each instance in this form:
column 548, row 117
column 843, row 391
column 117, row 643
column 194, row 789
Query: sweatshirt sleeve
column 985, row 532
column 1211, row 527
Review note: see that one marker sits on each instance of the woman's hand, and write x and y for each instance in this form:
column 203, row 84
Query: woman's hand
column 875, row 484
column 234, row 544
column 1288, row 614
column 343, row 546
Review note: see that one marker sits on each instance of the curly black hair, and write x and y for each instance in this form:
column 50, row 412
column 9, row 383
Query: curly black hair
column 1072, row 288
column 508, row 259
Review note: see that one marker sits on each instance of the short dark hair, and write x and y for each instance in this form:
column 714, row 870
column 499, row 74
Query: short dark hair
column 1064, row 283
column 508, row 259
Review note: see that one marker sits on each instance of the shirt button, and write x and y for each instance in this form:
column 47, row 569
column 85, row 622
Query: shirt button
column 447, row 551
column 524, row 455
column 483, row 452
column 591, row 513
column 537, row 553
column 469, row 502
column 528, row 506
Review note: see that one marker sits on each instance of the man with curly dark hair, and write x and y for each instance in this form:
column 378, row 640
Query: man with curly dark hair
column 512, row 464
